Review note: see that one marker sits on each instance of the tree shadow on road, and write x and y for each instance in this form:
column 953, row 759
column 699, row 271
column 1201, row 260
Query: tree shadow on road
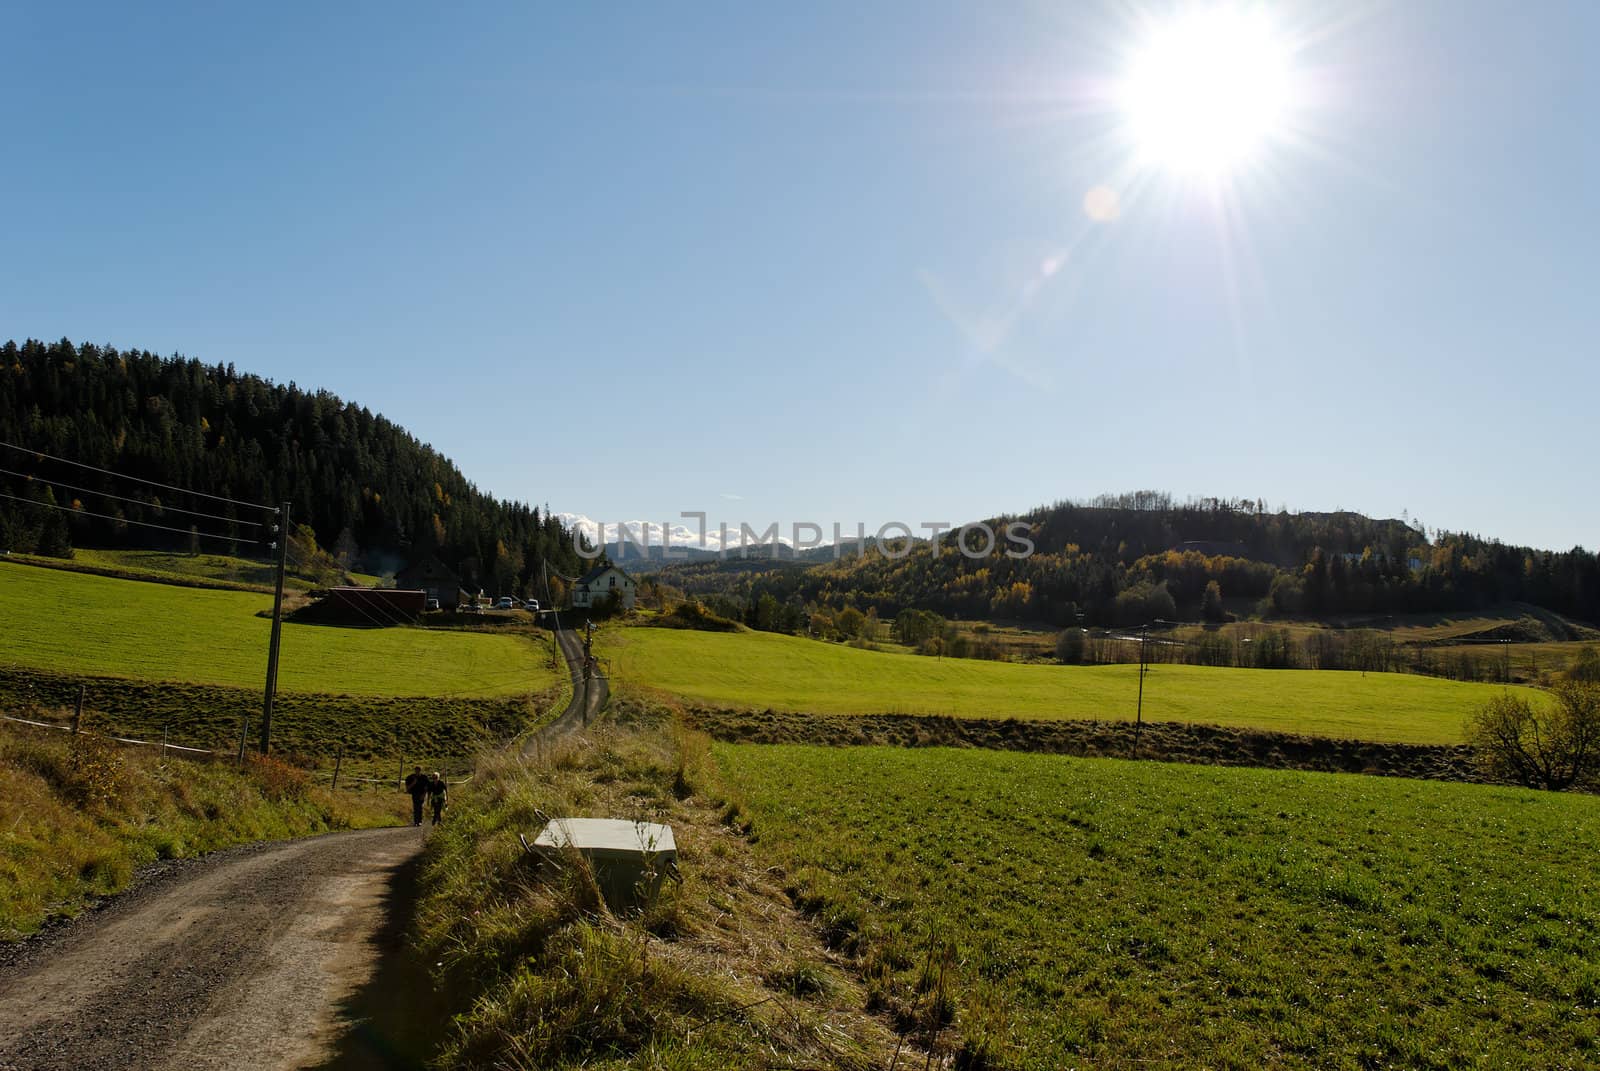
column 397, row 1018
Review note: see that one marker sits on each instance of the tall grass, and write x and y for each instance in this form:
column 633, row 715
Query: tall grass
column 717, row 972
column 80, row 814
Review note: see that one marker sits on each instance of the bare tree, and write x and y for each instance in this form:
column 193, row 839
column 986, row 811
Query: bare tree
column 1551, row 745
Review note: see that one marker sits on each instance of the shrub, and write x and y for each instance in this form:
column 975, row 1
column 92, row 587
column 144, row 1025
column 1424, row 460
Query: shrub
column 85, row 769
column 1586, row 667
column 1069, row 645
column 95, row 775
column 1552, row 745
column 693, row 614
column 279, row 781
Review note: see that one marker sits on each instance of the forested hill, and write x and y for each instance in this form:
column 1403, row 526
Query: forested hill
column 364, row 484
column 1124, row 559
column 1130, row 526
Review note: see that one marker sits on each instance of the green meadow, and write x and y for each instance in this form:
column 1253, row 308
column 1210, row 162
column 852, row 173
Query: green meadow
column 1100, row 913
column 80, row 623
column 764, row 670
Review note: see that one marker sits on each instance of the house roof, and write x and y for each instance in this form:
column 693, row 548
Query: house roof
column 601, row 570
column 429, row 567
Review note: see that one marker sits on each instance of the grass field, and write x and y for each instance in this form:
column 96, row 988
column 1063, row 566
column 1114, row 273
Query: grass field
column 765, row 670
column 1100, row 913
column 81, row 623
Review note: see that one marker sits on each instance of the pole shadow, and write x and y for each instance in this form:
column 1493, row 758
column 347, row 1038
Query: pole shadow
column 398, row 1018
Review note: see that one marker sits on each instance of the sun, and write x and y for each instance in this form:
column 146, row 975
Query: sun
column 1208, row 91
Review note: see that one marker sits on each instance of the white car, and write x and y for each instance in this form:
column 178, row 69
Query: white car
column 506, row 603
column 532, row 606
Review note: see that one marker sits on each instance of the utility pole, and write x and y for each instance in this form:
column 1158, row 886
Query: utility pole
column 282, row 546
column 588, row 665
column 1507, row 645
column 1138, row 719
column 550, row 608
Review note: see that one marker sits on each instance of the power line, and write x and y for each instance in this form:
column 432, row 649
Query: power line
column 124, row 520
column 139, row 479
column 394, row 617
column 391, row 616
column 300, row 563
column 30, row 476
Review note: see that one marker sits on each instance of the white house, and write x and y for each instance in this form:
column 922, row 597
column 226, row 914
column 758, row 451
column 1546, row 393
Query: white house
column 599, row 583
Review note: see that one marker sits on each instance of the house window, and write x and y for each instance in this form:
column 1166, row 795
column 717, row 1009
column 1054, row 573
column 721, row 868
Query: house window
column 613, row 581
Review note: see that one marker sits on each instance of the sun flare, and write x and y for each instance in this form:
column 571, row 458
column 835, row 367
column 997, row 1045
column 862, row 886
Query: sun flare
column 1206, row 92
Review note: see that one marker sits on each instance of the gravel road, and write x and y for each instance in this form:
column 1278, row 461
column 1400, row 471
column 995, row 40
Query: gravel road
column 252, row 958
column 575, row 716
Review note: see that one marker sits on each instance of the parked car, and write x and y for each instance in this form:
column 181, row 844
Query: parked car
column 506, row 603
column 532, row 606
column 432, row 604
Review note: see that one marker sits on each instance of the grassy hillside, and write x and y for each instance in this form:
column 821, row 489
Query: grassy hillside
column 1519, row 622
column 80, row 623
column 1111, row 914
column 763, row 670
column 174, row 567
column 78, row 815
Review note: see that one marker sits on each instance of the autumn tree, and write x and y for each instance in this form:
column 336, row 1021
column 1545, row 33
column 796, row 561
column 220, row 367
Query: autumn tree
column 849, row 622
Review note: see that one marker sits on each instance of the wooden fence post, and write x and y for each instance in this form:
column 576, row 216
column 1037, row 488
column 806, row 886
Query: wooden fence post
column 337, row 761
column 77, row 712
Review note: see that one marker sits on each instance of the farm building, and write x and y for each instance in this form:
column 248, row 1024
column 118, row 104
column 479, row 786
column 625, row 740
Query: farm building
column 599, row 583
column 434, row 579
column 365, row 606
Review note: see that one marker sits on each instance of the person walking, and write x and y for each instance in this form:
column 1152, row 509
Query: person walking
column 419, row 785
column 436, row 790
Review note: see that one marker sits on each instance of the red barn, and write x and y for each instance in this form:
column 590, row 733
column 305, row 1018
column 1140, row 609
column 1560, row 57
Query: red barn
column 366, row 606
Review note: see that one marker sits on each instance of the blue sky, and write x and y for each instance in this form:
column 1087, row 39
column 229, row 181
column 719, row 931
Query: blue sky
column 831, row 262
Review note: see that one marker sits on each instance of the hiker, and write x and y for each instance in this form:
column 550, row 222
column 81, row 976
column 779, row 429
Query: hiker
column 419, row 785
column 437, row 791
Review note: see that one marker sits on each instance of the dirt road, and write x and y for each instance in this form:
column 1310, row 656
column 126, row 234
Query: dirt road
column 578, row 713
column 253, row 958
column 278, row 956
